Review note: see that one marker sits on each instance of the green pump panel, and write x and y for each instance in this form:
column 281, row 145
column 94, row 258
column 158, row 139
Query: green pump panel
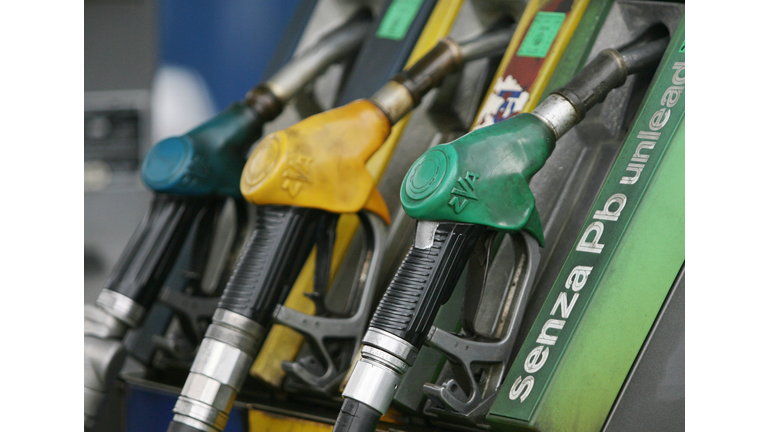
column 573, row 362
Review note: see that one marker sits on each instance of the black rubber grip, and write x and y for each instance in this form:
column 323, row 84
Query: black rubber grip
column 356, row 417
column 610, row 69
column 424, row 281
column 428, row 72
column 181, row 427
column 145, row 263
column 641, row 56
column 270, row 261
column 593, row 83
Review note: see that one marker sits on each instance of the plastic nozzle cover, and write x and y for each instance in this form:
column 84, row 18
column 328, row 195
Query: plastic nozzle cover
column 208, row 159
column 482, row 178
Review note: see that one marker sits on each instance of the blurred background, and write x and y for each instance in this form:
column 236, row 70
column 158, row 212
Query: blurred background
column 156, row 68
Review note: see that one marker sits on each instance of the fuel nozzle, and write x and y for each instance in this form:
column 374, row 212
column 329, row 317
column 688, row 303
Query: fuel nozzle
column 476, row 183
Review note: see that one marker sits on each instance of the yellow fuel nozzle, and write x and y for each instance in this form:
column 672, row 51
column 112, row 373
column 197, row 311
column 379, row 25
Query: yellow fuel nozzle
column 320, row 162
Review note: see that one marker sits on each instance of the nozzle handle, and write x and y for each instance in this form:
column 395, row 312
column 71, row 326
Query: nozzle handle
column 270, row 261
column 155, row 245
column 425, row 280
column 403, row 319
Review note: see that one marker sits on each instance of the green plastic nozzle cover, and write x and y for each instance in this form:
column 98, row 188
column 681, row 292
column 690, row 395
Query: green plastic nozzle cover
column 482, row 178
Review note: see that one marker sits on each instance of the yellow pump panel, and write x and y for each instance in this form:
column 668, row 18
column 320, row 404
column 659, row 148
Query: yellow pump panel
column 282, row 343
column 320, row 162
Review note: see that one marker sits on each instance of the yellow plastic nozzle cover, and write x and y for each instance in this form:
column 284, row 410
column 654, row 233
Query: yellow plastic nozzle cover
column 320, row 162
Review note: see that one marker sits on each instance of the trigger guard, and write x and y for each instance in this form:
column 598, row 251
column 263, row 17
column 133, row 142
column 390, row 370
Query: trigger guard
column 318, row 330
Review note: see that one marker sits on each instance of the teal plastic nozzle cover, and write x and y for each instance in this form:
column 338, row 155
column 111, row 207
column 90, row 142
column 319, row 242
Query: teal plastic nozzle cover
column 206, row 161
column 482, row 178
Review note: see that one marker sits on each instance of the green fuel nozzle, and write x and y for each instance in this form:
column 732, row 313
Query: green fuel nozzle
column 482, row 178
column 458, row 191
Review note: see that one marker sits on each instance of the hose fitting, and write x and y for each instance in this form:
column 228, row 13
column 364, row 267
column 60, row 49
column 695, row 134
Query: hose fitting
column 218, row 372
column 385, row 359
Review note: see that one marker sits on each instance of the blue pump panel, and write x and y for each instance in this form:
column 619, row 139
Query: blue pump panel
column 229, row 43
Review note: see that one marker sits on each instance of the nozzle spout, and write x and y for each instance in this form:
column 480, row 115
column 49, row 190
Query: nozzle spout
column 269, row 97
column 405, row 90
column 608, row 71
column 568, row 105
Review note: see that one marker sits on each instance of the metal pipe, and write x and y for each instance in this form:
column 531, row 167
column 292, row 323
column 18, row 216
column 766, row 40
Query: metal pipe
column 568, row 105
column 329, row 49
column 640, row 56
column 487, row 45
column 405, row 90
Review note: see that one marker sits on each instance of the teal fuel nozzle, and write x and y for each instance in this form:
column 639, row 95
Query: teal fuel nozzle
column 207, row 160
